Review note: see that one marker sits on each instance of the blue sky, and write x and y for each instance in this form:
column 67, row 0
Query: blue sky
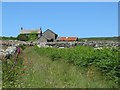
column 0, row 18
column 83, row 19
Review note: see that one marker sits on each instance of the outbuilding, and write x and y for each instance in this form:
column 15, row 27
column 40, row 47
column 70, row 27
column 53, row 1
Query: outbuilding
column 48, row 36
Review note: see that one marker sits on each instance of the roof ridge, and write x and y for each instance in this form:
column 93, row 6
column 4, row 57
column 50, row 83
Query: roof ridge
column 50, row 31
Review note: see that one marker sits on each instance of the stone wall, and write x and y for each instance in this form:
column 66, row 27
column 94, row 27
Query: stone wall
column 94, row 44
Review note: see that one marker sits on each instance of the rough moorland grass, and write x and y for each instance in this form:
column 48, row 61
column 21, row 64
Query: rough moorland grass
column 106, row 59
column 42, row 72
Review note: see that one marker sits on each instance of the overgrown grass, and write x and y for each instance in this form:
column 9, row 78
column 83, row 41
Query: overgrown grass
column 105, row 60
column 44, row 71
column 80, row 67
column 12, row 73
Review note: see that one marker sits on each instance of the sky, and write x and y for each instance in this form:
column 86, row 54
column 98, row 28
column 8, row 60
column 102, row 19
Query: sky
column 0, row 18
column 80, row 19
column 60, row 0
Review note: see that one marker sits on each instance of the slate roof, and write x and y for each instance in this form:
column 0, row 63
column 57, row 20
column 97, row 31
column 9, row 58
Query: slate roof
column 49, row 31
column 29, row 31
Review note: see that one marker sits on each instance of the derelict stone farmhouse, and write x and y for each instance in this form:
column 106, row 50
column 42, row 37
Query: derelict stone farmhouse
column 28, row 32
column 47, row 36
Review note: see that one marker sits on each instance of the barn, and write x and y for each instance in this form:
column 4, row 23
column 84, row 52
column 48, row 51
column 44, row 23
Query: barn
column 48, row 36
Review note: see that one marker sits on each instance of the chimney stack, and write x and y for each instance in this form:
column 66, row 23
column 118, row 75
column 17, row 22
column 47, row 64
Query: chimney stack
column 21, row 28
column 41, row 32
column 40, row 28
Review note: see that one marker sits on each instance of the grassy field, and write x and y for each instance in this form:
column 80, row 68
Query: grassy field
column 42, row 72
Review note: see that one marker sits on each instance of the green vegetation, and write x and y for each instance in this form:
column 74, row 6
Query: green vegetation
column 22, row 46
column 12, row 73
column 79, row 67
column 42, row 72
column 8, row 38
column 105, row 60
column 31, row 37
column 22, row 37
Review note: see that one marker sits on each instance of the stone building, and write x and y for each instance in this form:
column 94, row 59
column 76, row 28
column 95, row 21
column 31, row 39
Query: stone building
column 48, row 36
column 26, row 32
